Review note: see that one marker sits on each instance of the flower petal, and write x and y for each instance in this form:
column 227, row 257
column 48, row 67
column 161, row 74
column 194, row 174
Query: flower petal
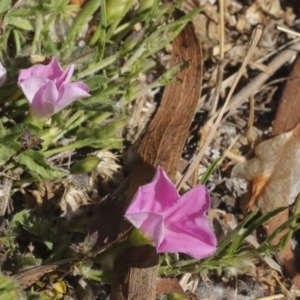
column 197, row 200
column 185, row 243
column 2, row 74
column 150, row 224
column 43, row 103
column 66, row 76
column 51, row 71
column 176, row 224
column 71, row 92
column 156, row 196
column 187, row 217
column 32, row 85
column 196, row 226
column 34, row 82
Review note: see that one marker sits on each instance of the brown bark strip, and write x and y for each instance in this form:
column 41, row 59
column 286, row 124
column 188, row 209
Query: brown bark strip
column 135, row 270
column 288, row 112
column 169, row 285
column 287, row 117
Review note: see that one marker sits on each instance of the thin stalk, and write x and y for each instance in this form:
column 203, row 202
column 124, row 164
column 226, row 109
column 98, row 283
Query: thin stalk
column 98, row 66
column 52, row 16
column 82, row 18
column 75, row 120
column 37, row 33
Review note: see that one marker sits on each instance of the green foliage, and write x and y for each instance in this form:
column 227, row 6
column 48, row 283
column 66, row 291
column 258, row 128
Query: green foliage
column 81, row 19
column 34, row 296
column 85, row 269
column 19, row 23
column 110, row 67
column 9, row 290
column 21, row 263
column 95, row 138
column 35, row 164
column 97, row 81
column 45, row 230
column 11, row 141
column 205, row 176
column 4, row 6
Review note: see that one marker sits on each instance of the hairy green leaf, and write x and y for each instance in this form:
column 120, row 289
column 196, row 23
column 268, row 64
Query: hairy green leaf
column 35, row 163
column 4, row 6
column 19, row 23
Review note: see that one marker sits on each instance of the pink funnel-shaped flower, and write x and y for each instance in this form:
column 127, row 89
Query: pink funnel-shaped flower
column 48, row 88
column 175, row 223
column 2, row 74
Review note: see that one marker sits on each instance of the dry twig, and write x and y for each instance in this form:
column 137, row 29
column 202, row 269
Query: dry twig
column 254, row 42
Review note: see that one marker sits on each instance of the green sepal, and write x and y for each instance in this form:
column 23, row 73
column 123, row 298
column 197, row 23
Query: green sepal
column 137, row 238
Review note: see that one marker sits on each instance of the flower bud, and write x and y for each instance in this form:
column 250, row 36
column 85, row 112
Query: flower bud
column 116, row 9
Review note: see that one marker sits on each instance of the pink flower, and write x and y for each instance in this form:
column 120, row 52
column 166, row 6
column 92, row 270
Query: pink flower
column 175, row 223
column 2, row 74
column 48, row 88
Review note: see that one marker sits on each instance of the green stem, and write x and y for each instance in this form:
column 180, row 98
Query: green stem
column 54, row 13
column 82, row 18
column 17, row 40
column 131, row 61
column 100, row 33
column 75, row 120
column 99, row 117
column 39, row 122
column 37, row 33
column 71, row 146
column 13, row 97
column 135, row 239
column 98, row 66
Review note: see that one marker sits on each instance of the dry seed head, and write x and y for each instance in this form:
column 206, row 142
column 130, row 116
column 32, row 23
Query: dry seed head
column 108, row 164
